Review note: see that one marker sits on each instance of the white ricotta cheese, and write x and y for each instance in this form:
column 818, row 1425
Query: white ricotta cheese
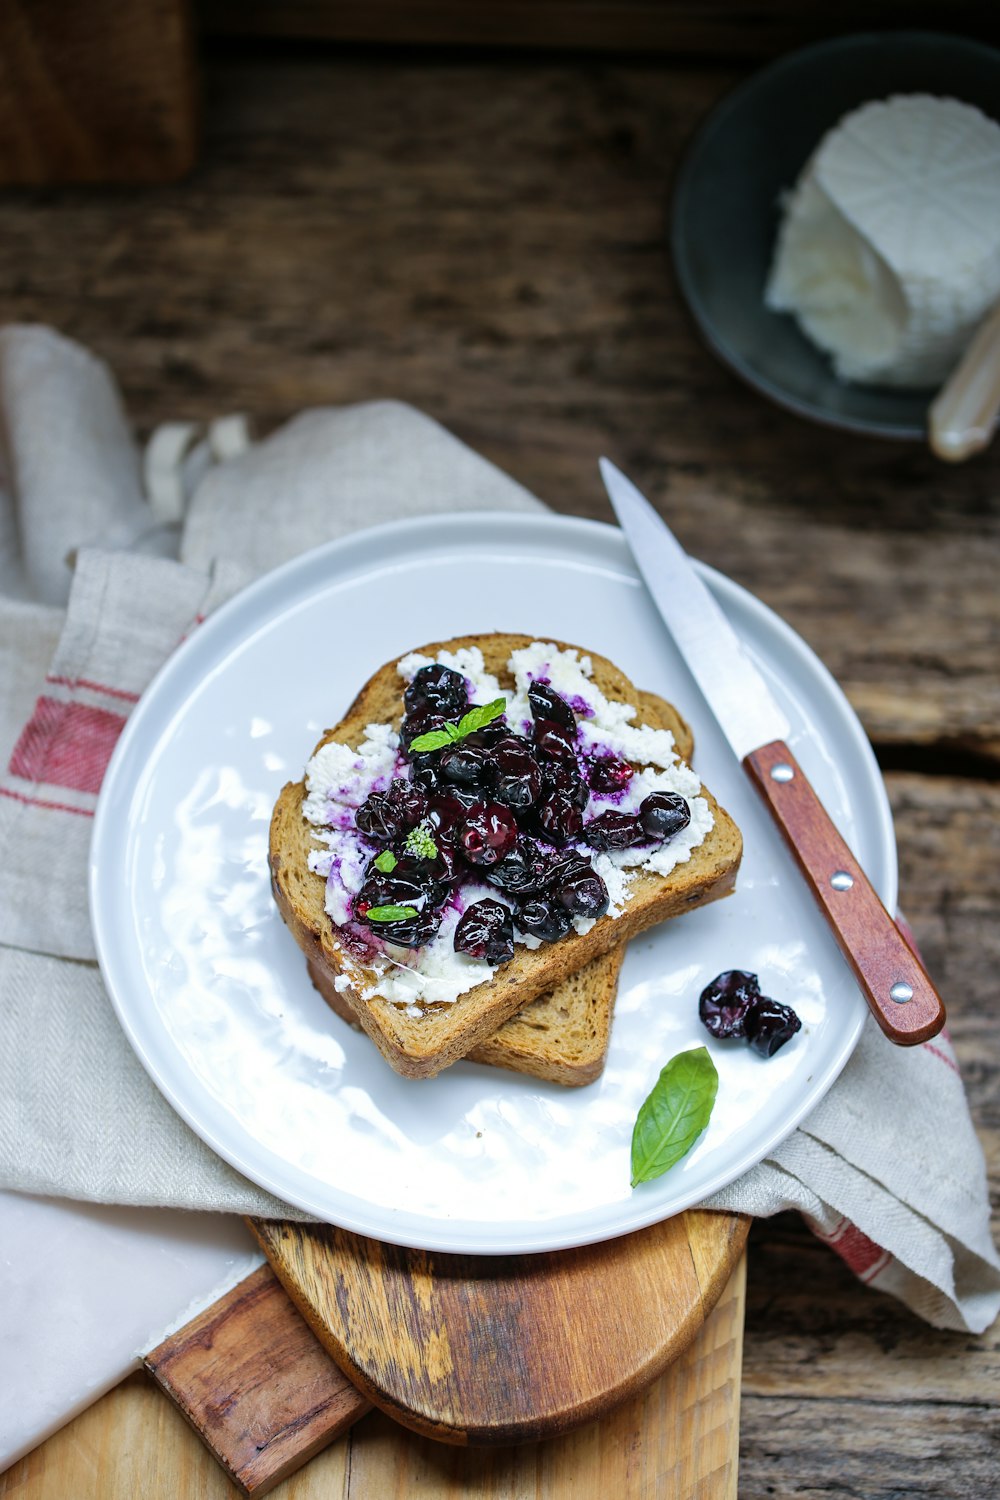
column 889, row 249
column 344, row 777
column 434, row 974
column 338, row 779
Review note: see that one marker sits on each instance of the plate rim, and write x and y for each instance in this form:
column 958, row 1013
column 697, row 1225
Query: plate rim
column 272, row 583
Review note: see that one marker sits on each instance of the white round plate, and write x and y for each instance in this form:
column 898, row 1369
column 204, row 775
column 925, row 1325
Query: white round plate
column 212, row 990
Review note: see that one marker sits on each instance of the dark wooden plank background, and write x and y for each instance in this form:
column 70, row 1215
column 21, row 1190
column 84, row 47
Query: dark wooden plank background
column 101, row 92
column 484, row 237
column 712, row 28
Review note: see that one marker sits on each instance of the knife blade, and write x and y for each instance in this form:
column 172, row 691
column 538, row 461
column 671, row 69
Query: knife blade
column 899, row 993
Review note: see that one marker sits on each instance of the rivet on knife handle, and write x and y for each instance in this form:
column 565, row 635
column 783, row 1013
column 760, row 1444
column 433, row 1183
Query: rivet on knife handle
column 899, row 993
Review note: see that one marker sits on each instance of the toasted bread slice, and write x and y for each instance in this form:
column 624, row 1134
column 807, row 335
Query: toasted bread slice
column 561, row 1037
column 420, row 1045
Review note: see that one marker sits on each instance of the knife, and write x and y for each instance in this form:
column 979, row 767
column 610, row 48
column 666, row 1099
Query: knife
column 900, row 995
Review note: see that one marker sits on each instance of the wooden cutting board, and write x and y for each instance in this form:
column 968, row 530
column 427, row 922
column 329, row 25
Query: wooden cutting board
column 498, row 1350
column 263, row 1397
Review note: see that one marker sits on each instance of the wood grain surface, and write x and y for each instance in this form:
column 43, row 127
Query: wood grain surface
column 255, row 1385
column 505, row 1349
column 485, row 238
column 727, row 28
column 678, row 1438
column 102, row 92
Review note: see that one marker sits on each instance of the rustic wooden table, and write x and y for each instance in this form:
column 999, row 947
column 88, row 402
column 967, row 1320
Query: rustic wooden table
column 485, row 239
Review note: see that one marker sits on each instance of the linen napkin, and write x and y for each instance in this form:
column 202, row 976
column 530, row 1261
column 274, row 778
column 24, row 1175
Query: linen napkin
column 107, row 560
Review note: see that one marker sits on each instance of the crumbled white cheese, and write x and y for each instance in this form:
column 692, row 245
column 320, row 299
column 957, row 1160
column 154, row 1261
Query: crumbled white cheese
column 338, row 780
column 567, row 672
column 639, row 744
column 344, row 776
column 602, row 722
column 617, row 879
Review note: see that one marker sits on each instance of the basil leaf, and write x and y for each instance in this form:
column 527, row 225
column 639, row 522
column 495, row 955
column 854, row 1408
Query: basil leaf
column 480, row 715
column 435, row 739
column 674, row 1115
column 385, row 862
column 390, row 913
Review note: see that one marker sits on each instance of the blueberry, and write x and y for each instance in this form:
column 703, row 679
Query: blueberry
column 769, row 1025
column 544, row 919
column 425, row 770
column 513, row 774
column 423, row 721
column 385, row 816
column 582, row 892
column 614, row 830
column 437, row 875
column 448, row 808
column 554, row 741
column 547, row 704
column 437, row 687
column 574, row 884
column 725, row 1001
column 486, row 930
column 560, row 776
column 565, row 864
column 487, row 737
column 608, row 775
column 487, row 833
column 558, row 817
column 662, row 814
column 409, row 802
column 523, row 871
column 401, row 887
column 464, row 764
column 411, row 932
column 399, row 890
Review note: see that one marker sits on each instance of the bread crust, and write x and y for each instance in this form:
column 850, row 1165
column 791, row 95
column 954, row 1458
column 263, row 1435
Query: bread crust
column 419, row 1047
column 562, row 1037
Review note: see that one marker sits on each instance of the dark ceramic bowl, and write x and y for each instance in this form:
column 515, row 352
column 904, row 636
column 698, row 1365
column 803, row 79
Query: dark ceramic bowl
column 726, row 208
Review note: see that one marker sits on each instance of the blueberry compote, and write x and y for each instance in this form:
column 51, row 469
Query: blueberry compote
column 733, row 1006
column 477, row 804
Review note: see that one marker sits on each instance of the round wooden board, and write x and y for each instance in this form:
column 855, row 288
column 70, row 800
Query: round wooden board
column 505, row 1349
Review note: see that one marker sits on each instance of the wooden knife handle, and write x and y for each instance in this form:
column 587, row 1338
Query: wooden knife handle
column 892, row 979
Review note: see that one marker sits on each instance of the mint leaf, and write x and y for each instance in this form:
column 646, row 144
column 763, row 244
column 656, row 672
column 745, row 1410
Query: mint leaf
column 479, row 715
column 390, row 913
column 674, row 1114
column 385, row 862
column 436, row 739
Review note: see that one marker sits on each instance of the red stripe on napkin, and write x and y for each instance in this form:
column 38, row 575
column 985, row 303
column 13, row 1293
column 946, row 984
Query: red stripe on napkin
column 94, row 687
column 859, row 1253
column 854, row 1247
column 81, row 812
column 66, row 744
